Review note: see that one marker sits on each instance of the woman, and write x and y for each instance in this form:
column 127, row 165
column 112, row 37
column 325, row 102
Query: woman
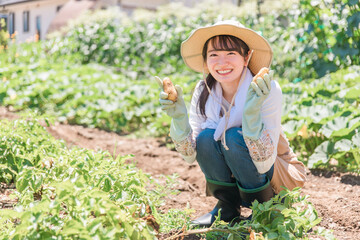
column 234, row 125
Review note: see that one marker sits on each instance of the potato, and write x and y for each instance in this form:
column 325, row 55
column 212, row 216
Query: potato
column 170, row 89
column 261, row 74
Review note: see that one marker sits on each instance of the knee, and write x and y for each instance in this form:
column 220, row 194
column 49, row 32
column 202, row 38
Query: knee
column 235, row 139
column 205, row 139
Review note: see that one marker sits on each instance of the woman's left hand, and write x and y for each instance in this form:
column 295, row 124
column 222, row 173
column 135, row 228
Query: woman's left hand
column 257, row 93
column 262, row 86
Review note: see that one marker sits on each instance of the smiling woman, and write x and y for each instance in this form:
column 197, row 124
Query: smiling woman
column 234, row 126
column 225, row 59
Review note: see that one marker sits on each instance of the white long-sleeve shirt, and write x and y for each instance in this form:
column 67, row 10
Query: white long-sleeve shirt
column 263, row 151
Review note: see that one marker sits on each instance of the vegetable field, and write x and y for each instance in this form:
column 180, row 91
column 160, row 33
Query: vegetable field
column 85, row 152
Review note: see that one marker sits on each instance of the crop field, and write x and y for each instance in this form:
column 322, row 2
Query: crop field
column 84, row 146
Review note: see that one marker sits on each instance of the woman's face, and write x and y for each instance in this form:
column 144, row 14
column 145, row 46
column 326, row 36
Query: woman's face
column 224, row 66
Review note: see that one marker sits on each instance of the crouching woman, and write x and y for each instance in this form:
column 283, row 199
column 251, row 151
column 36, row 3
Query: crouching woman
column 234, row 128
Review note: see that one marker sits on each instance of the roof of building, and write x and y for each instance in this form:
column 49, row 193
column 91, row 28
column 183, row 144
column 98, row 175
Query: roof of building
column 70, row 10
column 11, row 2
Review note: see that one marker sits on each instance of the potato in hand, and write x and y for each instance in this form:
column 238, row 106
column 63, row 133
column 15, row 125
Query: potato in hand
column 261, row 74
column 170, row 89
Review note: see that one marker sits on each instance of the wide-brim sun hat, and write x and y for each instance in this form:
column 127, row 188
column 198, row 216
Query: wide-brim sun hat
column 192, row 47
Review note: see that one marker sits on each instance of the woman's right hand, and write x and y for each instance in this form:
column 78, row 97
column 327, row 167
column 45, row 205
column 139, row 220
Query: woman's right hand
column 176, row 110
column 180, row 127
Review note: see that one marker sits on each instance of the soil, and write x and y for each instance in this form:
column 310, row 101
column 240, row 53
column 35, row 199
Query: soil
column 336, row 196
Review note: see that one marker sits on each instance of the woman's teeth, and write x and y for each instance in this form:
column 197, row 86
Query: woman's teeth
column 224, row 71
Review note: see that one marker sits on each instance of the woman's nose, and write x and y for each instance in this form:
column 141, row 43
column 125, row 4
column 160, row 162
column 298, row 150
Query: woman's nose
column 222, row 60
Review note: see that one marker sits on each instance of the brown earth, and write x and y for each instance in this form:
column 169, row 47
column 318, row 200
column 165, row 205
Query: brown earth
column 336, row 196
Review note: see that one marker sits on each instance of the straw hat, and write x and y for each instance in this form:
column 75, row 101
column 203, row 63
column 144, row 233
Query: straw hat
column 191, row 48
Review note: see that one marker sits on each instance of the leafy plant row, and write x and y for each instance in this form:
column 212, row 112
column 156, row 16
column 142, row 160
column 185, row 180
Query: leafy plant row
column 150, row 45
column 321, row 114
column 89, row 95
column 330, row 33
column 76, row 193
column 70, row 193
column 286, row 216
column 322, row 119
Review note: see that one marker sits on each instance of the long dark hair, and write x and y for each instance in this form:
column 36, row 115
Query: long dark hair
column 224, row 43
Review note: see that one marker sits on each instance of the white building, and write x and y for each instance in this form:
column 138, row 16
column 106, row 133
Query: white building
column 31, row 20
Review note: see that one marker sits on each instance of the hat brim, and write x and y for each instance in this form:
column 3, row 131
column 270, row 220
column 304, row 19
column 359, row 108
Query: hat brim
column 191, row 48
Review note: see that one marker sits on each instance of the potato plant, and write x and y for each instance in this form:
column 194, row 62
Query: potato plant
column 100, row 74
column 70, row 193
column 75, row 193
column 322, row 119
column 91, row 95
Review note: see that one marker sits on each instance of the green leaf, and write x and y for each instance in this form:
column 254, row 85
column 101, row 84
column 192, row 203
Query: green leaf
column 130, row 231
column 230, row 236
column 337, row 124
column 272, row 235
column 319, row 112
column 9, row 213
column 353, row 93
column 322, row 154
column 72, row 227
column 354, row 123
column 94, row 226
column 292, row 127
column 356, row 140
column 343, row 145
column 107, row 185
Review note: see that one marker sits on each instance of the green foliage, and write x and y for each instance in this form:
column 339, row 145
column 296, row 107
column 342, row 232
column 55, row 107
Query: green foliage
column 3, row 35
column 82, row 194
column 315, row 111
column 330, row 32
column 150, row 45
column 100, row 74
column 21, row 146
column 70, row 193
column 70, row 77
column 288, row 215
column 322, row 119
column 90, row 95
column 138, row 49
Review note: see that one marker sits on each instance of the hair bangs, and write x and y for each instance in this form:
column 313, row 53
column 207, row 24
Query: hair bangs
column 225, row 43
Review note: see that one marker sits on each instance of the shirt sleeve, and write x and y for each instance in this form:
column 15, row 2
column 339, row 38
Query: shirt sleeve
column 195, row 117
column 187, row 147
column 263, row 151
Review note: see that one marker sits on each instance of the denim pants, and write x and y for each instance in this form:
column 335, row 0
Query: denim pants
column 220, row 165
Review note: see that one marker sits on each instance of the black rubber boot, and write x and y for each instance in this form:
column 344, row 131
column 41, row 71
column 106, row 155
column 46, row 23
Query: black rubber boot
column 262, row 194
column 228, row 204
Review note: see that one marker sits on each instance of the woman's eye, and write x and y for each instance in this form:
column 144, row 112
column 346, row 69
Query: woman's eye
column 213, row 55
column 231, row 53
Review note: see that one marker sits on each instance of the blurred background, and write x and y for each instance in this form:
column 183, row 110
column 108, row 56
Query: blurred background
column 93, row 63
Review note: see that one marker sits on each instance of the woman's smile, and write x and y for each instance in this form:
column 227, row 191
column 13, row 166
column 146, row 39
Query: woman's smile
column 224, row 72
